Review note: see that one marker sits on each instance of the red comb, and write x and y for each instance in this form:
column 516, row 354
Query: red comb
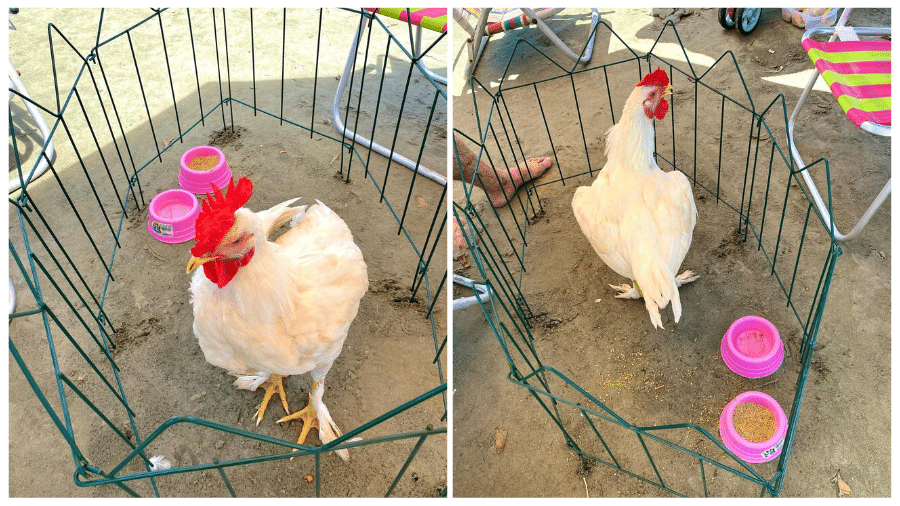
column 236, row 197
column 655, row 78
column 217, row 214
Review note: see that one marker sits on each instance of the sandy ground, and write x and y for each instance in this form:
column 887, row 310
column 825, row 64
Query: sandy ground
column 844, row 422
column 388, row 356
column 654, row 377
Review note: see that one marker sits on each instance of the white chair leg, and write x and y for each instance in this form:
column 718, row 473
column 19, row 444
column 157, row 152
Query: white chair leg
column 882, row 196
column 811, row 186
column 479, row 40
column 338, row 122
column 42, row 164
column 595, row 18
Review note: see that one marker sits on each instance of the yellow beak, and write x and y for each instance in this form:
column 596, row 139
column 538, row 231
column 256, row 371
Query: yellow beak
column 195, row 262
column 668, row 90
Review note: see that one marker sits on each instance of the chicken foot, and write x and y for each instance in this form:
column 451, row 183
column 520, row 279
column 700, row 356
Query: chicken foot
column 625, row 291
column 308, row 416
column 685, row 278
column 311, row 416
column 271, row 385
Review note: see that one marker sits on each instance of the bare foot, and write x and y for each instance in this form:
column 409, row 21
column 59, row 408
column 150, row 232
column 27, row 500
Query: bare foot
column 511, row 179
column 499, row 184
column 459, row 241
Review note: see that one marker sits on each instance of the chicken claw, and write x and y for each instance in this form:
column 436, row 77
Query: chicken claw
column 316, row 415
column 308, row 416
column 626, row 291
column 686, row 277
column 271, row 385
column 310, row 420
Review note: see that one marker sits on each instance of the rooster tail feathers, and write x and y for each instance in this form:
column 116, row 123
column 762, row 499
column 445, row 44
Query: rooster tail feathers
column 298, row 217
column 658, row 287
column 676, row 305
column 280, row 214
column 653, row 311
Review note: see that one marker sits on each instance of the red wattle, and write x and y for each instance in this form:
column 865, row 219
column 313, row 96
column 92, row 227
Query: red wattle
column 221, row 271
column 662, row 109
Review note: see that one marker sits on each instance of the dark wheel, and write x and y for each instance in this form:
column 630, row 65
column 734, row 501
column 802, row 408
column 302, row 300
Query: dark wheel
column 746, row 20
column 726, row 18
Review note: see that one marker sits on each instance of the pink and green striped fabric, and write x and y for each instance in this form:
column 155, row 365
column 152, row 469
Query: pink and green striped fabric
column 498, row 22
column 859, row 75
column 432, row 18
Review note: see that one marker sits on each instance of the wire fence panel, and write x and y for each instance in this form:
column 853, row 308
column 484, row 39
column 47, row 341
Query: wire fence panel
column 646, row 402
column 101, row 329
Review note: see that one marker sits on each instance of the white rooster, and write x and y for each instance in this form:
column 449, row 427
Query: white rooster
column 264, row 310
column 639, row 219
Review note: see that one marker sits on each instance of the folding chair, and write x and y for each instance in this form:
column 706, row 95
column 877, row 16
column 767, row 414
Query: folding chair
column 431, row 18
column 497, row 20
column 43, row 162
column 858, row 72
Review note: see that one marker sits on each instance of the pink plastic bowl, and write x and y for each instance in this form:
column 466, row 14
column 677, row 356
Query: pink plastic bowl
column 748, row 450
column 172, row 216
column 752, row 347
column 200, row 181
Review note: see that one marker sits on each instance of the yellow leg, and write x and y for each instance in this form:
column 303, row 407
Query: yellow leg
column 307, row 415
column 272, row 385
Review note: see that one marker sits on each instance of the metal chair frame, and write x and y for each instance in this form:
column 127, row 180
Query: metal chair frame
column 476, row 44
column 416, row 53
column 873, row 128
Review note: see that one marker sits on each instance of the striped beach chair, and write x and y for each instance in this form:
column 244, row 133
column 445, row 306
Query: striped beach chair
column 432, row 18
column 492, row 21
column 858, row 73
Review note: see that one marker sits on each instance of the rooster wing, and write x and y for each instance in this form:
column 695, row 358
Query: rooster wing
column 640, row 224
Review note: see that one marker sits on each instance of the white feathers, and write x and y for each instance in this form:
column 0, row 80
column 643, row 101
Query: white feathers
column 639, row 219
column 251, row 382
column 630, row 141
column 158, row 463
column 276, row 216
column 328, row 431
